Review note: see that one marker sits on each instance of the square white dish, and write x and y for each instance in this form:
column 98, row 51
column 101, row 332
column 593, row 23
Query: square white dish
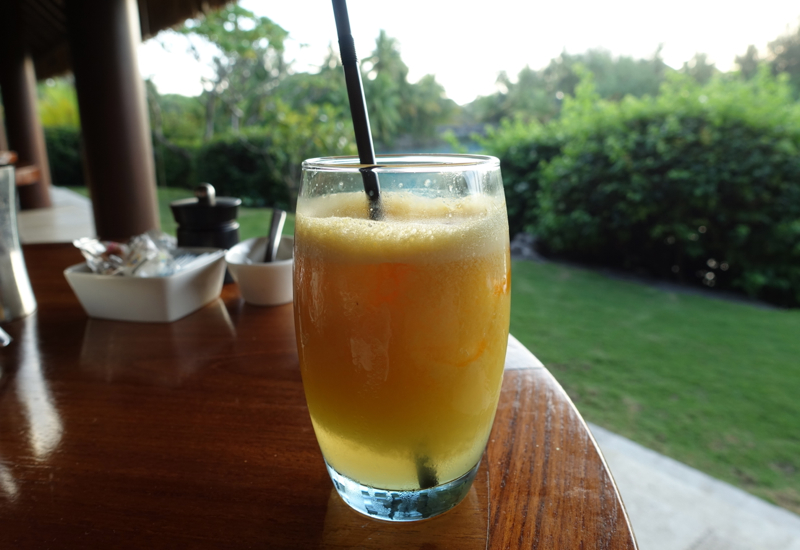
column 150, row 299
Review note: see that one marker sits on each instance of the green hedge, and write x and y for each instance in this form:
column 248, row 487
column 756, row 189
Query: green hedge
column 698, row 184
column 64, row 153
column 175, row 164
column 524, row 150
column 235, row 165
column 243, row 167
column 260, row 165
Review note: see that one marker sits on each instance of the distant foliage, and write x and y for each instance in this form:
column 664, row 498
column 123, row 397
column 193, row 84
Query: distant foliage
column 539, row 94
column 179, row 117
column 262, row 166
column 251, row 76
column 176, row 165
column 699, row 68
column 782, row 57
column 701, row 183
column 399, row 110
column 58, row 111
column 524, row 150
column 64, row 156
column 238, row 168
column 58, row 103
column 248, row 65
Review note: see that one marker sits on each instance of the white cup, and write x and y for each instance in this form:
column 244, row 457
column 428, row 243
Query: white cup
column 262, row 283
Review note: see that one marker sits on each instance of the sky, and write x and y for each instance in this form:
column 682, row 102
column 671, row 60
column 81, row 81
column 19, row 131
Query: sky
column 467, row 47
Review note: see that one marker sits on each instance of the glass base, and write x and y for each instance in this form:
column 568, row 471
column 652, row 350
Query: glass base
column 413, row 505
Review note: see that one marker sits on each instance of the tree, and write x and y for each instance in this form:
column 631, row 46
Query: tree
column 385, row 88
column 249, row 66
column 312, row 131
column 748, row 63
column 621, row 76
column 699, row 68
column 397, row 107
column 173, row 117
column 538, row 94
column 182, row 117
column 427, row 107
column 784, row 57
column 325, row 87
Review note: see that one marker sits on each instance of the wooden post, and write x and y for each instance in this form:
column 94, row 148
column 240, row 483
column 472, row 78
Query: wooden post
column 23, row 128
column 3, row 139
column 104, row 36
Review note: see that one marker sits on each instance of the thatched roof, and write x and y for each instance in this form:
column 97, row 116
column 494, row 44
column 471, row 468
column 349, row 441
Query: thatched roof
column 46, row 27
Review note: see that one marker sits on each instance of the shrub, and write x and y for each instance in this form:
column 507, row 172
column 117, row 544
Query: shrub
column 701, row 183
column 524, row 149
column 242, row 167
column 64, row 154
column 175, row 164
column 260, row 165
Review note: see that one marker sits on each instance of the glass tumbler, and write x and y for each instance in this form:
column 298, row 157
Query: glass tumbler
column 402, row 325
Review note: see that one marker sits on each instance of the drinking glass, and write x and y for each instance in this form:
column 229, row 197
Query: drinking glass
column 402, row 325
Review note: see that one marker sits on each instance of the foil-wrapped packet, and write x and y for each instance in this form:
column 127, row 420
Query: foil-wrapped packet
column 151, row 254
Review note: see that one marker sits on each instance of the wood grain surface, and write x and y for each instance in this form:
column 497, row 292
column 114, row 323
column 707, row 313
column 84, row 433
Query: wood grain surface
column 195, row 434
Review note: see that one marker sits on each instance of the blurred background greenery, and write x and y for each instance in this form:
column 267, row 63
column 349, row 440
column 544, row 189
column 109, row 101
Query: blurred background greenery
column 689, row 175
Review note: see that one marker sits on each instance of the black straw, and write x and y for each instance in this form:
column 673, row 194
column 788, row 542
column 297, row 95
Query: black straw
column 426, row 473
column 358, row 108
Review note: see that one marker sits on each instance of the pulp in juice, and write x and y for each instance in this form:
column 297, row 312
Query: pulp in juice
column 402, row 327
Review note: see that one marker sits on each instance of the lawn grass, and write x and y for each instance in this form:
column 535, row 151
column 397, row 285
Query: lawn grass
column 711, row 383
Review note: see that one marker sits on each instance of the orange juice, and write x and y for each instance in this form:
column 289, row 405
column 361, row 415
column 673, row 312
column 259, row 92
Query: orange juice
column 402, row 327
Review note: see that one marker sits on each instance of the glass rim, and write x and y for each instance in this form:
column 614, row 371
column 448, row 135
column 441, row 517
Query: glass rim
column 404, row 162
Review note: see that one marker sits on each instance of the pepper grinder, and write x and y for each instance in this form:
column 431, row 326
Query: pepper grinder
column 207, row 220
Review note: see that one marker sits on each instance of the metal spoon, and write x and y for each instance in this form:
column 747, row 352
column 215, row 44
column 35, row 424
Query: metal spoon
column 5, row 339
column 275, row 230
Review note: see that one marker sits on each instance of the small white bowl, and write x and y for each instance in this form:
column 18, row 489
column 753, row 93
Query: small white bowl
column 149, row 299
column 262, row 283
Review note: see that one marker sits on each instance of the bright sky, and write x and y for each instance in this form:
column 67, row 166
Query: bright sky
column 466, row 48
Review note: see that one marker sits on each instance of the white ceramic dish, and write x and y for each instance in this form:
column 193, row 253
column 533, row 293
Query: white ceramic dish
column 261, row 283
column 152, row 299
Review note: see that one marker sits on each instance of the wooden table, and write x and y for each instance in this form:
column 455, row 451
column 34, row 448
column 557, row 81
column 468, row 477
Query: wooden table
column 195, row 434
